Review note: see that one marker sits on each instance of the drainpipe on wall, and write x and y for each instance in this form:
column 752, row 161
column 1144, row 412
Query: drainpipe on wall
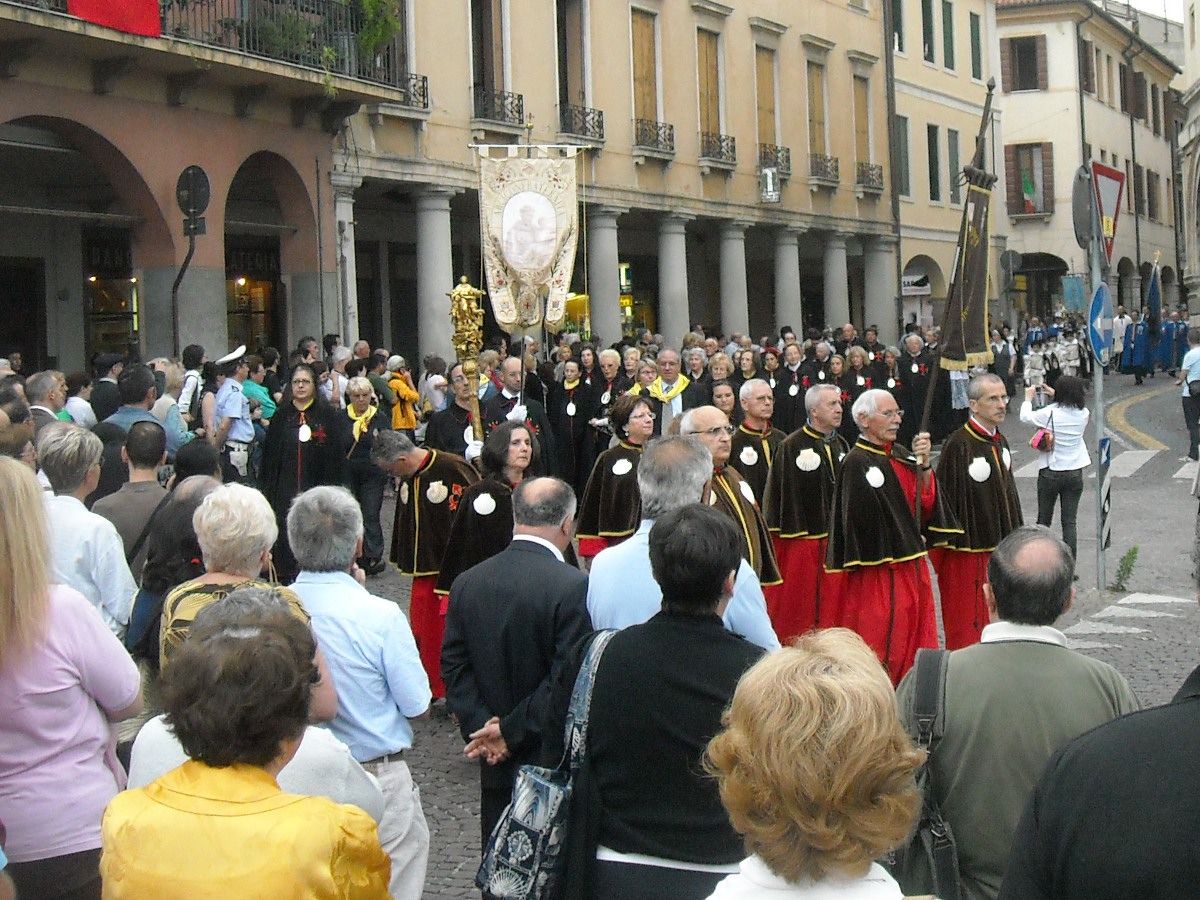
column 1082, row 67
column 1137, row 222
column 889, row 74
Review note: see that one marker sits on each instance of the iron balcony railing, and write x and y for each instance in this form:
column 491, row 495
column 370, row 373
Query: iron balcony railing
column 823, row 168
column 318, row 34
column 720, row 147
column 870, row 176
column 582, row 121
column 499, row 106
column 654, row 135
column 771, row 156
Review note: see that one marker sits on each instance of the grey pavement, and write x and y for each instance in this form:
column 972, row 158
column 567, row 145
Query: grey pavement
column 1150, row 632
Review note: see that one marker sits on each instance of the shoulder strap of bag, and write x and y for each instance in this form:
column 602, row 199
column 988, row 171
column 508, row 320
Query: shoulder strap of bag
column 575, row 729
column 929, row 697
column 929, row 714
column 137, row 545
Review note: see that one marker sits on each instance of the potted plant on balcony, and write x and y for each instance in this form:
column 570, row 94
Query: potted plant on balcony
column 361, row 30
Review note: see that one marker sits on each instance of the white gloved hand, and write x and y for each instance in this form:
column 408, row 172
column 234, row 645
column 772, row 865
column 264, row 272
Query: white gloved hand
column 517, row 413
column 474, row 448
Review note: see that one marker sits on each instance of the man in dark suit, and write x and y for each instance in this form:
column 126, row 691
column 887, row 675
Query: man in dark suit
column 46, row 393
column 106, row 398
column 500, row 653
column 511, row 403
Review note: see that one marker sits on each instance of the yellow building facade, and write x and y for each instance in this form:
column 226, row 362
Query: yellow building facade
column 679, row 105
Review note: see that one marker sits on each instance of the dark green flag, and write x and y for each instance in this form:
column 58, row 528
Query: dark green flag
column 965, row 337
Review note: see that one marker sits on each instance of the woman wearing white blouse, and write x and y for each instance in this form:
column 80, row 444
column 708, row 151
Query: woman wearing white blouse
column 1061, row 469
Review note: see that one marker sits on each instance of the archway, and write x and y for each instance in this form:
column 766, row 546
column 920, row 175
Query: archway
column 80, row 224
column 270, row 246
column 1037, row 284
column 922, row 285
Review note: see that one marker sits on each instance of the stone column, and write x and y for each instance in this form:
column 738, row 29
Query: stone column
column 1136, row 297
column 435, row 273
column 879, row 271
column 604, row 275
column 344, row 186
column 837, row 281
column 673, row 309
column 735, row 310
column 787, row 280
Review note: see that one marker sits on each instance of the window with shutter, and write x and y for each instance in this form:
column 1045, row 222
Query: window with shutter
column 1123, row 72
column 764, row 84
column 1138, row 100
column 1087, row 69
column 1155, row 115
column 1006, row 79
column 954, row 165
column 904, row 176
column 1139, row 190
column 862, row 119
column 816, row 108
column 948, row 34
column 928, row 28
column 1029, row 170
column 710, row 90
column 1027, row 63
column 933, row 149
column 976, row 25
column 645, row 67
column 898, row 25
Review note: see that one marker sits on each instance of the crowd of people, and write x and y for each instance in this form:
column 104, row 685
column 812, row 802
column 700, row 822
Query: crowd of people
column 760, row 522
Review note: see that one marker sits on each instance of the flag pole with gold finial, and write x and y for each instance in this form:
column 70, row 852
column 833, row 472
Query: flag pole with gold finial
column 466, row 314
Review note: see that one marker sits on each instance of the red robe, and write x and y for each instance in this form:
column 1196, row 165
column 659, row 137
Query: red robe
column 975, row 474
column 798, row 498
column 874, row 537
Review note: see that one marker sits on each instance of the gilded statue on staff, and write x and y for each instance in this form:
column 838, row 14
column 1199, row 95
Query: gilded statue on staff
column 466, row 314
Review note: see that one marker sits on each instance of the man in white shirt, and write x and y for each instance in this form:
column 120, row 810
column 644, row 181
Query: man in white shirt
column 235, row 428
column 1121, row 321
column 89, row 555
column 372, row 656
column 194, row 358
column 673, row 473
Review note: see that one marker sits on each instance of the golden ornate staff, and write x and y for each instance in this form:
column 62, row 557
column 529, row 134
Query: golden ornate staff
column 467, row 315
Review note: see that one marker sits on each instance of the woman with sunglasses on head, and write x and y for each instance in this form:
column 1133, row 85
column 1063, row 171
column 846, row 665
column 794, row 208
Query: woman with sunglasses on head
column 305, row 446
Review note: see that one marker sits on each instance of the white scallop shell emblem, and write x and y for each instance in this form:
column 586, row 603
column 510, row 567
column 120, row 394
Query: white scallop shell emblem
column 404, row 493
column 808, row 460
column 468, row 434
column 979, row 470
column 821, row 374
column 875, row 477
column 437, row 492
column 891, row 382
column 1007, row 459
column 485, row 504
column 861, row 381
column 748, row 492
column 622, row 467
column 793, row 390
column 748, row 456
column 712, row 498
column 605, row 397
column 915, row 368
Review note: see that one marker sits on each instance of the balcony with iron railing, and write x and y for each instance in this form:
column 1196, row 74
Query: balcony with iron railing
column 868, row 179
column 323, row 35
column 653, row 140
column 718, row 153
column 581, row 122
column 823, row 171
column 771, row 156
column 499, row 107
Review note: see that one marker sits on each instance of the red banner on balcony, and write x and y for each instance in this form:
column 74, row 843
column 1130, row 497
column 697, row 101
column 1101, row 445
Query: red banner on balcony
column 130, row 16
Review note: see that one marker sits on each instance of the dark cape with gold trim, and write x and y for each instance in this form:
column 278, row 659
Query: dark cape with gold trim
column 799, row 494
column 425, row 508
column 612, row 503
column 482, row 528
column 873, row 521
column 752, row 454
column 729, row 493
column 975, row 479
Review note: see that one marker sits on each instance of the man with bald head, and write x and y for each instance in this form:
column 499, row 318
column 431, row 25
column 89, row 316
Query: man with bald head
column 974, row 474
column 732, row 494
column 1011, row 701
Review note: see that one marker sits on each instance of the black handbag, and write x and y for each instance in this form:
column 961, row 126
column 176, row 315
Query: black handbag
column 525, row 855
column 928, row 863
column 1193, row 388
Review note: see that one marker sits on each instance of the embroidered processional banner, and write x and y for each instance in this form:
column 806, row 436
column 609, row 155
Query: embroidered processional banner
column 528, row 217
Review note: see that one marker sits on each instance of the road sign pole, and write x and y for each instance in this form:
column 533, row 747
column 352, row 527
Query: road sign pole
column 1098, row 370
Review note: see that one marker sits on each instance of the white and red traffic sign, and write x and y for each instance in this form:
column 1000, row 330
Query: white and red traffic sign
column 1109, row 186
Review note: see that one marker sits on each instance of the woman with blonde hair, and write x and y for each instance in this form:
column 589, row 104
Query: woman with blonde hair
column 817, row 773
column 64, row 677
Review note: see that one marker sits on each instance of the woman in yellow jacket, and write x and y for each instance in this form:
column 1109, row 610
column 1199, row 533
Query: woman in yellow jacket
column 404, row 413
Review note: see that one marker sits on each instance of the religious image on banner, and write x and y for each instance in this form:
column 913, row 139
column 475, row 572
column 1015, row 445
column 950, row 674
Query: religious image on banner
column 965, row 337
column 529, row 229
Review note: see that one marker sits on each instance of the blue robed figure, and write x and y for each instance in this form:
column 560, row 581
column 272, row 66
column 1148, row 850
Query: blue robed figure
column 1137, row 360
column 1172, row 344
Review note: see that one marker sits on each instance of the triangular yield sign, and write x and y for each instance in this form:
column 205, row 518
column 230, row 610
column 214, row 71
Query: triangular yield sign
column 1109, row 186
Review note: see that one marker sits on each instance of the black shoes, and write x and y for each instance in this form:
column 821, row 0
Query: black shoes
column 372, row 566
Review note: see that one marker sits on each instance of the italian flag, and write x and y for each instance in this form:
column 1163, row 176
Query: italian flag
column 1029, row 191
column 129, row 16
